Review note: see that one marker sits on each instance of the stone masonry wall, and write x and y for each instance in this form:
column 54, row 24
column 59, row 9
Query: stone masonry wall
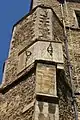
column 18, row 102
column 74, row 50
column 23, row 36
column 46, row 87
column 69, row 9
column 72, row 34
column 54, row 4
column 69, row 13
column 27, row 31
column 66, row 111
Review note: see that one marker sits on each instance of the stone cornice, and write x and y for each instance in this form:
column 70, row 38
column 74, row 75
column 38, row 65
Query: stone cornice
column 32, row 11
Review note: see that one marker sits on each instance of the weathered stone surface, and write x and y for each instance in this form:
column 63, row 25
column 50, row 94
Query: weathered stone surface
column 42, row 24
column 69, row 10
column 74, row 52
column 66, row 110
column 46, row 88
column 45, row 111
column 46, row 79
column 31, row 28
column 49, row 3
column 40, row 50
column 78, row 104
column 74, row 49
column 12, row 105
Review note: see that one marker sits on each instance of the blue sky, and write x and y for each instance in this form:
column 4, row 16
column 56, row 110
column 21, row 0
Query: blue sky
column 10, row 12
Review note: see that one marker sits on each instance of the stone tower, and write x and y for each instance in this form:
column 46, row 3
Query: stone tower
column 41, row 78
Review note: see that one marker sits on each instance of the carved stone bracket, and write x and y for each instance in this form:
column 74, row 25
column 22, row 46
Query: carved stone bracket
column 28, row 54
column 50, row 49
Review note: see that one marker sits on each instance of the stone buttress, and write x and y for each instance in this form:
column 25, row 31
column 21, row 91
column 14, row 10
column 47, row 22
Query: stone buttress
column 34, row 86
column 35, row 46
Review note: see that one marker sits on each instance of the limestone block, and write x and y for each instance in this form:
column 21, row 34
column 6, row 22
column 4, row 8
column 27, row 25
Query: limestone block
column 46, row 79
column 45, row 111
column 40, row 51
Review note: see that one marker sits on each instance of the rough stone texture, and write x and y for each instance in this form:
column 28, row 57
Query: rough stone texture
column 74, row 50
column 66, row 111
column 40, row 50
column 73, row 37
column 54, row 4
column 42, row 24
column 45, row 111
column 16, row 102
column 69, row 13
column 46, row 86
column 28, row 30
column 78, row 104
column 34, row 25
column 46, row 81
column 69, row 10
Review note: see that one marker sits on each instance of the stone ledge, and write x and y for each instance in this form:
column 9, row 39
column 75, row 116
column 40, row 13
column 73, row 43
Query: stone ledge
column 5, row 87
column 27, row 107
column 47, row 98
